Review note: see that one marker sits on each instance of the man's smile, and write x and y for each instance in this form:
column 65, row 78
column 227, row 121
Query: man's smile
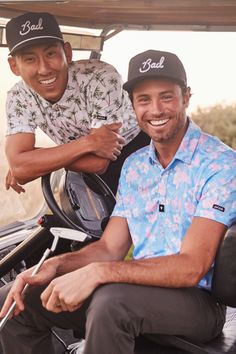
column 48, row 81
column 160, row 122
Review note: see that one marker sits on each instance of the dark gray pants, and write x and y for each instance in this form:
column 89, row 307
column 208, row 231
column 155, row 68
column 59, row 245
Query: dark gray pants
column 114, row 316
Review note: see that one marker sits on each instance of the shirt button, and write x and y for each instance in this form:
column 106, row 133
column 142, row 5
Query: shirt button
column 56, row 107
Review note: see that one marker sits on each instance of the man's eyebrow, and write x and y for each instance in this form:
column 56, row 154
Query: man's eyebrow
column 164, row 92
column 141, row 95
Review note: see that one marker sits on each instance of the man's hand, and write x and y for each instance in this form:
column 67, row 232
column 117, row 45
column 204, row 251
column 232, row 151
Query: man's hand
column 107, row 142
column 69, row 291
column 45, row 275
column 11, row 182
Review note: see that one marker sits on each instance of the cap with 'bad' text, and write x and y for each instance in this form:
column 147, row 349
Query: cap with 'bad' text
column 155, row 64
column 31, row 28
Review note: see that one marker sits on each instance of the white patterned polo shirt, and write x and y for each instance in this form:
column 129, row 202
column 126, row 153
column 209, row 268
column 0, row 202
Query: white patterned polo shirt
column 93, row 96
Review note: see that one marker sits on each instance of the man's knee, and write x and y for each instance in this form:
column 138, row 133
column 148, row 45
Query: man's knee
column 107, row 299
column 109, row 305
column 3, row 293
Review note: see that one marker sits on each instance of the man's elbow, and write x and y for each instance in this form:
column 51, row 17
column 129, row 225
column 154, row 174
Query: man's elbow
column 195, row 274
column 98, row 166
column 103, row 167
column 20, row 176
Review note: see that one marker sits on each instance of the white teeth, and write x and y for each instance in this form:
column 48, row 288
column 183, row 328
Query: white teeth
column 158, row 122
column 49, row 81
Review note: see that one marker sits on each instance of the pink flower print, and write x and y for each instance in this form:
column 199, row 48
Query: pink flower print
column 215, row 167
column 136, row 212
column 203, row 139
column 192, row 144
column 148, row 230
column 135, row 238
column 148, row 233
column 150, row 206
column 143, row 191
column 144, row 168
column 196, row 161
column 207, row 203
column 190, row 207
column 175, row 227
column 214, row 155
column 184, row 144
column 176, row 219
column 131, row 175
column 180, row 177
column 175, row 203
column 152, row 218
column 162, row 189
column 129, row 198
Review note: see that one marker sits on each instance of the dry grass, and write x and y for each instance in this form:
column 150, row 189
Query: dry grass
column 12, row 205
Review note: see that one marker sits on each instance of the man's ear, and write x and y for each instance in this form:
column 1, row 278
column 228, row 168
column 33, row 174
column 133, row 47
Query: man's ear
column 68, row 52
column 13, row 65
column 186, row 97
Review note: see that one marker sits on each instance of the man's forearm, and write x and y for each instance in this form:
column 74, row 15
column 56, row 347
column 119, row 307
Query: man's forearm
column 89, row 163
column 38, row 162
column 173, row 271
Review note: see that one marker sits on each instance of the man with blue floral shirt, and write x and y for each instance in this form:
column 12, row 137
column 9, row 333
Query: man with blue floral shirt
column 80, row 105
column 176, row 199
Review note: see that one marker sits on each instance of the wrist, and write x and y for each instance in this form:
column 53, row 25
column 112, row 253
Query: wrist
column 101, row 269
column 89, row 143
column 57, row 262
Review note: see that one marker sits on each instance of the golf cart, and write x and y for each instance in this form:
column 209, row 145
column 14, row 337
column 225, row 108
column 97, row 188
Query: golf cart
column 30, row 238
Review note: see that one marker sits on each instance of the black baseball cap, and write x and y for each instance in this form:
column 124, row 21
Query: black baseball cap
column 31, row 28
column 155, row 64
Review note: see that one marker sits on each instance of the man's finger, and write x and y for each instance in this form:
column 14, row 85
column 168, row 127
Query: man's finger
column 45, row 295
column 11, row 182
column 114, row 126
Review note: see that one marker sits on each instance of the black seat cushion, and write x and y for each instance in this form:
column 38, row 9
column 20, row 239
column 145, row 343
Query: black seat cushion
column 226, row 342
column 223, row 344
column 224, row 277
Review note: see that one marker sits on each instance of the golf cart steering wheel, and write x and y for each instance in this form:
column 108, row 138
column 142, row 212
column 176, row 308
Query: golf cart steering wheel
column 86, row 202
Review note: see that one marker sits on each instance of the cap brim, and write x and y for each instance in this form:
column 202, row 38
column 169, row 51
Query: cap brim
column 34, row 41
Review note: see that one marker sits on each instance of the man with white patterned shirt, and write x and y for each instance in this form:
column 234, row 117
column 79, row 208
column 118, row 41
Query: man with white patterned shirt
column 80, row 105
column 175, row 201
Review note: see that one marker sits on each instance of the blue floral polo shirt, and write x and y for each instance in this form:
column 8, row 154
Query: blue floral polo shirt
column 160, row 203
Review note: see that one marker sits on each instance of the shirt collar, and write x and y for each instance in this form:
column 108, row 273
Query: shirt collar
column 189, row 143
column 187, row 147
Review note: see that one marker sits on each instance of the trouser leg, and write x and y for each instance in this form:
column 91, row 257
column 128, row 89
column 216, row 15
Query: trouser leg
column 118, row 313
column 29, row 332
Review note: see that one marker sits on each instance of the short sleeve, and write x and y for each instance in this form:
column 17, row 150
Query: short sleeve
column 110, row 103
column 20, row 119
column 218, row 197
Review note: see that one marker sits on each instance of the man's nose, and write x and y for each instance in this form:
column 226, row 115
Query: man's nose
column 157, row 108
column 43, row 66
